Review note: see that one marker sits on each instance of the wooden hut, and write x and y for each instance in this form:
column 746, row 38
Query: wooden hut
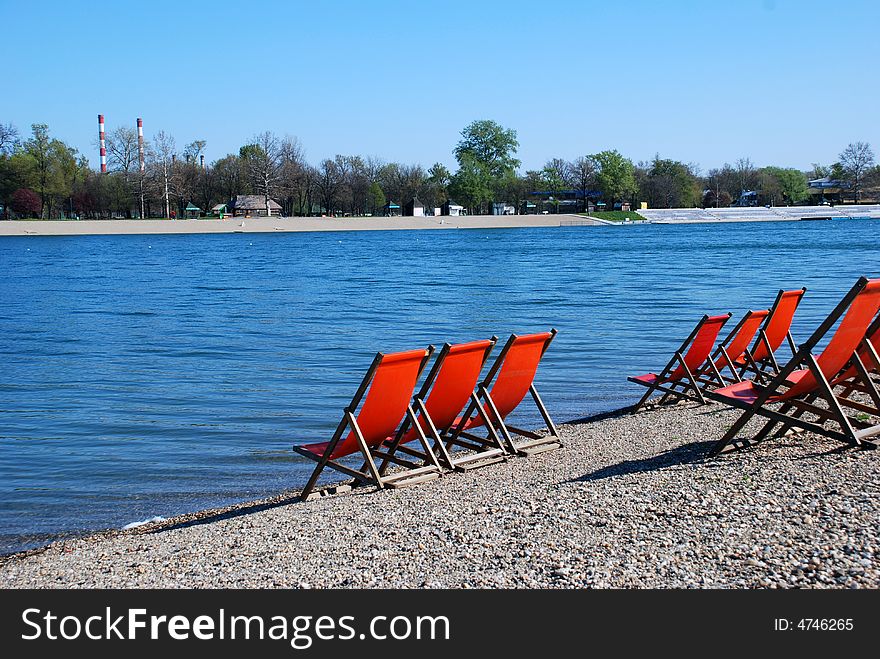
column 414, row 208
column 253, row 205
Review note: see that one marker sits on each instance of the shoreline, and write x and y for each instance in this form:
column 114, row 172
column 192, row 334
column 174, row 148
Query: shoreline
column 278, row 498
column 331, row 224
column 285, row 225
column 630, row 501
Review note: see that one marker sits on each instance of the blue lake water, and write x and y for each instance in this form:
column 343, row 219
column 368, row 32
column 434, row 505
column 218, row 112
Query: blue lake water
column 156, row 375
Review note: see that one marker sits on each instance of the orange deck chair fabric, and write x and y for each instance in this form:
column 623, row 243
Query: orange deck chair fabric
column 511, row 377
column 776, row 330
column 733, row 350
column 448, row 388
column 794, row 382
column 388, row 388
column 678, row 378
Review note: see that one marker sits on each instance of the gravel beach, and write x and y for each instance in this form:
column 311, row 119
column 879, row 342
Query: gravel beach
column 629, row 501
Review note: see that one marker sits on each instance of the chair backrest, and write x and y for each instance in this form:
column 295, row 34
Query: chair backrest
column 392, row 381
column 873, row 335
column 740, row 338
column 701, row 340
column 779, row 322
column 858, row 309
column 451, row 382
column 519, row 363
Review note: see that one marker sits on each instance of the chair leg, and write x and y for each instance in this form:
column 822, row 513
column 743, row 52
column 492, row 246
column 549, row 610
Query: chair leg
column 435, row 435
column 368, row 458
column 423, row 440
column 731, row 434
column 833, row 403
column 694, row 385
column 543, row 410
column 310, row 485
column 644, row 398
column 497, row 414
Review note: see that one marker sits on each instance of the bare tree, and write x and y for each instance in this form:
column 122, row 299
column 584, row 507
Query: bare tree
column 164, row 154
column 8, row 138
column 582, row 172
column 142, row 179
column 123, row 158
column 122, row 150
column 328, row 182
column 747, row 175
column 856, row 159
column 263, row 162
column 291, row 173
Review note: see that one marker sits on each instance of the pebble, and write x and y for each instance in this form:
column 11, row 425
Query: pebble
column 629, row 502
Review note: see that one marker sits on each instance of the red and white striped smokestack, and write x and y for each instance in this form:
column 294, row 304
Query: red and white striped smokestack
column 103, row 144
column 141, row 143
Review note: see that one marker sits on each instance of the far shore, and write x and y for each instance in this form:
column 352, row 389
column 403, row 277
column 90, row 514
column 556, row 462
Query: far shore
column 303, row 224
column 281, row 224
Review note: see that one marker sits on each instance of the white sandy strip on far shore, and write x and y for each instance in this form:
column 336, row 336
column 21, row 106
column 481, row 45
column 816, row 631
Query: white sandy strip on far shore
column 282, row 224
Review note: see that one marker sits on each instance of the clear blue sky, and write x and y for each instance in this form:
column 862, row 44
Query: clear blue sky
column 784, row 82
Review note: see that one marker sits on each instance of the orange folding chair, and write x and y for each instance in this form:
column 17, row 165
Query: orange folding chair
column 806, row 379
column 678, row 379
column 448, row 388
column 511, row 377
column 386, row 391
column 732, row 351
column 856, row 381
column 761, row 358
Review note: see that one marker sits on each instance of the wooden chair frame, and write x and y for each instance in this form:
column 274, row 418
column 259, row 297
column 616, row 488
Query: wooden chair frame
column 709, row 375
column 483, row 455
column 791, row 413
column 687, row 387
column 858, row 379
column 369, row 473
column 768, row 366
column 496, row 424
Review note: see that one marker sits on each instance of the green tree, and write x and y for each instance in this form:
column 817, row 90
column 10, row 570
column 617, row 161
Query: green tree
column 615, row 177
column 471, row 185
column 786, row 185
column 489, row 145
column 436, row 185
column 485, row 156
column 670, row 184
column 375, row 197
column 53, row 164
column 553, row 179
column 16, row 171
column 38, row 150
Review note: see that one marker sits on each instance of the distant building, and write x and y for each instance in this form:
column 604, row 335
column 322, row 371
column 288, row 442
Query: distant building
column 564, row 201
column 746, row 198
column 449, row 207
column 192, row 211
column 827, row 189
column 220, row 210
column 414, row 208
column 503, row 208
column 391, row 209
column 253, row 205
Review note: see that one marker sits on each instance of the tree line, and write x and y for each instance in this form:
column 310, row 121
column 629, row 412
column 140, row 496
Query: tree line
column 43, row 177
